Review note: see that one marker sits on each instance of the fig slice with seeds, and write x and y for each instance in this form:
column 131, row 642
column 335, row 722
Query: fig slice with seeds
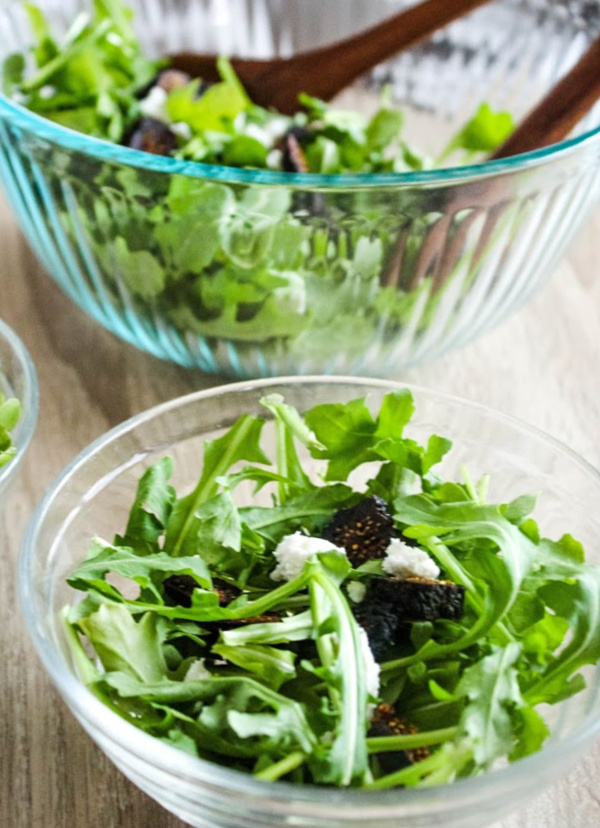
column 152, row 135
column 386, row 722
column 364, row 530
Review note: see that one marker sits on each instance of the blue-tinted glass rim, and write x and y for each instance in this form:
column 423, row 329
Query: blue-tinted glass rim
column 98, row 148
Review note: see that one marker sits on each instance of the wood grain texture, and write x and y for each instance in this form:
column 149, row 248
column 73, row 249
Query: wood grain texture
column 542, row 365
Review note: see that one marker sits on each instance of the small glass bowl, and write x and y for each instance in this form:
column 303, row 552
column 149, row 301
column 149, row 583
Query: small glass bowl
column 267, row 273
column 92, row 496
column 17, row 379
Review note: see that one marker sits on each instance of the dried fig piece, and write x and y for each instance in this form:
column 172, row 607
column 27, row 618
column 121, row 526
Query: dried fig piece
column 380, row 622
column 152, row 135
column 386, row 722
column 364, row 530
column 419, row 599
column 171, row 79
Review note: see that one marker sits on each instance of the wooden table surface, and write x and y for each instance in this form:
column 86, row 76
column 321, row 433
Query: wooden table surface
column 542, row 364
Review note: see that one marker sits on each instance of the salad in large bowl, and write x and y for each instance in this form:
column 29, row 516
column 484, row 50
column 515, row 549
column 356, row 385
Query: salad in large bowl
column 222, row 235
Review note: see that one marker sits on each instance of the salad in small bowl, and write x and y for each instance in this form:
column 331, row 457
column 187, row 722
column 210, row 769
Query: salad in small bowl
column 329, row 600
column 18, row 406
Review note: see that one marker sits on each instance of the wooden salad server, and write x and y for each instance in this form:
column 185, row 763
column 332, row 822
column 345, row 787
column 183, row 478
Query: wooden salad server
column 324, row 72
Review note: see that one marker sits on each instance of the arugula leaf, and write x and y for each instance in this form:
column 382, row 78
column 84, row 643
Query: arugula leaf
column 310, row 511
column 104, row 558
column 298, row 627
column 505, row 565
column 289, row 425
column 572, row 590
column 340, row 651
column 239, row 443
column 351, row 436
column 274, row 666
column 90, row 79
column 124, row 644
column 150, row 512
column 239, row 712
column 483, row 133
column 347, row 433
column 383, row 128
column 10, row 414
column 492, row 689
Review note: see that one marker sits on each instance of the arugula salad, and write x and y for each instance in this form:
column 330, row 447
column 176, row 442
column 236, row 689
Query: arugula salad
column 288, row 274
column 98, row 81
column 402, row 631
column 10, row 414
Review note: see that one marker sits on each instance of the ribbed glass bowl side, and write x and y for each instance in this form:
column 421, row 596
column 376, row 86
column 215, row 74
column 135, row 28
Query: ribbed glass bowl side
column 263, row 274
column 91, row 497
column 17, row 379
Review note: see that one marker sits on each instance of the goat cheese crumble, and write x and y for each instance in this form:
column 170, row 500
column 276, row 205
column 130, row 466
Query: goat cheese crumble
column 198, row 671
column 293, row 551
column 404, row 561
column 372, row 668
column 356, row 591
column 154, row 105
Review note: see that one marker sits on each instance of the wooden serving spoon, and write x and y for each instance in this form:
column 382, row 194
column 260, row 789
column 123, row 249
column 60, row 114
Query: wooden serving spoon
column 550, row 122
column 324, row 72
column 560, row 110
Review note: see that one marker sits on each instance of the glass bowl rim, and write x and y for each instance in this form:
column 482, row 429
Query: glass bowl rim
column 25, row 428
column 362, row 802
column 103, row 150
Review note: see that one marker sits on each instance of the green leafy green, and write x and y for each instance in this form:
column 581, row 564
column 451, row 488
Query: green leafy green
column 89, row 81
column 194, row 643
column 483, row 133
column 301, row 274
column 10, row 414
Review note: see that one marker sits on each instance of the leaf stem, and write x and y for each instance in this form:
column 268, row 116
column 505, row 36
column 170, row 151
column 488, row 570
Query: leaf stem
column 443, row 766
column 381, row 744
column 459, row 575
column 349, row 748
column 281, row 768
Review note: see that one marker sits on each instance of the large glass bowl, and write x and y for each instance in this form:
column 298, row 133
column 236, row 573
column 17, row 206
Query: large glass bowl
column 265, row 273
column 17, row 379
column 91, row 497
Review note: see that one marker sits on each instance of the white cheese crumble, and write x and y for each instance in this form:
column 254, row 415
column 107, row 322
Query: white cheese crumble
column 372, row 668
column 154, row 105
column 356, row 591
column 276, row 128
column 259, row 134
column 182, row 129
column 198, row 671
column 291, row 297
column 275, row 159
column 293, row 551
column 404, row 561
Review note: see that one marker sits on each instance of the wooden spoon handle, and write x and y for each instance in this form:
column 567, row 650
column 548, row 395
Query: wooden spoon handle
column 326, row 71
column 355, row 55
column 560, row 110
